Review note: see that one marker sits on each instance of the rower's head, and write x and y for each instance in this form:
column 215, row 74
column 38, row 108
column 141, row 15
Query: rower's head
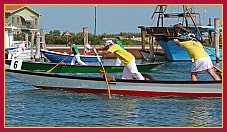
column 108, row 43
column 190, row 36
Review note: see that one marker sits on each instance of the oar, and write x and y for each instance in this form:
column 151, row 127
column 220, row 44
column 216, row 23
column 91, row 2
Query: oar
column 219, row 71
column 107, row 84
column 58, row 63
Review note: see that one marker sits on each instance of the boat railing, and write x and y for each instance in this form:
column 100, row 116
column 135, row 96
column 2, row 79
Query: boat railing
column 159, row 31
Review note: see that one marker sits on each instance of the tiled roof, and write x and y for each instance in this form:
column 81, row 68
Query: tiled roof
column 10, row 8
column 13, row 8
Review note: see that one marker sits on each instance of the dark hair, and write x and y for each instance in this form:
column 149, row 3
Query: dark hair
column 117, row 38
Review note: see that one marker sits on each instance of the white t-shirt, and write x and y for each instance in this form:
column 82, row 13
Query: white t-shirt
column 87, row 48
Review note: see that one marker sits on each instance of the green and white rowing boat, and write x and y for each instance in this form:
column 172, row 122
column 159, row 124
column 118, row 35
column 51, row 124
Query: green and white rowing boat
column 67, row 68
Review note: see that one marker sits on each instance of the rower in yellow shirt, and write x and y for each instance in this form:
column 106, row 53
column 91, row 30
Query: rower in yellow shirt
column 201, row 60
column 130, row 68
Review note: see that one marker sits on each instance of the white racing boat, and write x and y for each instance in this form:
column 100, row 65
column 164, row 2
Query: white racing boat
column 52, row 81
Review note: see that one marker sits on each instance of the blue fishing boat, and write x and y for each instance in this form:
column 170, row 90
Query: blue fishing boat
column 9, row 48
column 175, row 53
column 56, row 57
column 164, row 35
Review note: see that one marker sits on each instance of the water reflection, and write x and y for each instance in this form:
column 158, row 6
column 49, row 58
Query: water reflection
column 204, row 113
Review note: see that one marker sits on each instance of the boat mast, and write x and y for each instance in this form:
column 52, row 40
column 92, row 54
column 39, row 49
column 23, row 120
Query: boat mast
column 95, row 27
column 185, row 18
column 197, row 30
column 161, row 11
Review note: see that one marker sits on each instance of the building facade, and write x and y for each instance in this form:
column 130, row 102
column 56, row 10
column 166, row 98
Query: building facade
column 22, row 17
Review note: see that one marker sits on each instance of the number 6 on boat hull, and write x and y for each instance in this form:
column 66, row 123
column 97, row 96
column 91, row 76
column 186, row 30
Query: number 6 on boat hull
column 16, row 64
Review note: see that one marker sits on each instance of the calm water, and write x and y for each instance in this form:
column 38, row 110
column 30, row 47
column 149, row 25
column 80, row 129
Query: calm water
column 28, row 106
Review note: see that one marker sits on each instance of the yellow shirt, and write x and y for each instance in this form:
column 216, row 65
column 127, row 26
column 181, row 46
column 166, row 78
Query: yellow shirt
column 122, row 54
column 194, row 49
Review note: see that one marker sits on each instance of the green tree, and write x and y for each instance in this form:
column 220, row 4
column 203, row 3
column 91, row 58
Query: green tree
column 19, row 37
column 55, row 33
column 55, row 37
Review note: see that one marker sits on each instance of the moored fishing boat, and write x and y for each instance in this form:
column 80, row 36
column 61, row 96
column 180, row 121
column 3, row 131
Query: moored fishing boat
column 56, row 57
column 12, row 47
column 51, row 81
column 164, row 35
column 158, row 56
column 63, row 68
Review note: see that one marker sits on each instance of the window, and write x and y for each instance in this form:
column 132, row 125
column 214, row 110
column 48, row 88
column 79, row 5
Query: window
column 12, row 20
column 36, row 21
column 18, row 20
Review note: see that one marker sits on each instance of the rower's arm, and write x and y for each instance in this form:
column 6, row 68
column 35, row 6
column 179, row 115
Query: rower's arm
column 176, row 41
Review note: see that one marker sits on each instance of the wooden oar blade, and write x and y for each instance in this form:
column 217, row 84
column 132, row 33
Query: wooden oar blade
column 58, row 64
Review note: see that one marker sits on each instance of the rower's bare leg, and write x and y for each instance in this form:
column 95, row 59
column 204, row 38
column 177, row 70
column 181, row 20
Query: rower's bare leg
column 193, row 76
column 213, row 74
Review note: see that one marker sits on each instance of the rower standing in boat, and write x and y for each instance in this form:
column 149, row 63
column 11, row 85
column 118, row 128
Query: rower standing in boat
column 19, row 51
column 201, row 60
column 88, row 48
column 74, row 49
column 118, row 41
column 130, row 68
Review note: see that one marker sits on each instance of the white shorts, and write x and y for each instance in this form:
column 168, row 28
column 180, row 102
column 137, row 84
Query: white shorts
column 131, row 71
column 201, row 64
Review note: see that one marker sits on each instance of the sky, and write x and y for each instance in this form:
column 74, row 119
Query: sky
column 112, row 19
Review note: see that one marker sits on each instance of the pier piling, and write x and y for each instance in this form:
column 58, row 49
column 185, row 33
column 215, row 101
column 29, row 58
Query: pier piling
column 85, row 30
column 216, row 41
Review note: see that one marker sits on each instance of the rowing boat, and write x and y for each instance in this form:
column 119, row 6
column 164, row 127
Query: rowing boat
column 67, row 68
column 56, row 57
column 52, row 81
